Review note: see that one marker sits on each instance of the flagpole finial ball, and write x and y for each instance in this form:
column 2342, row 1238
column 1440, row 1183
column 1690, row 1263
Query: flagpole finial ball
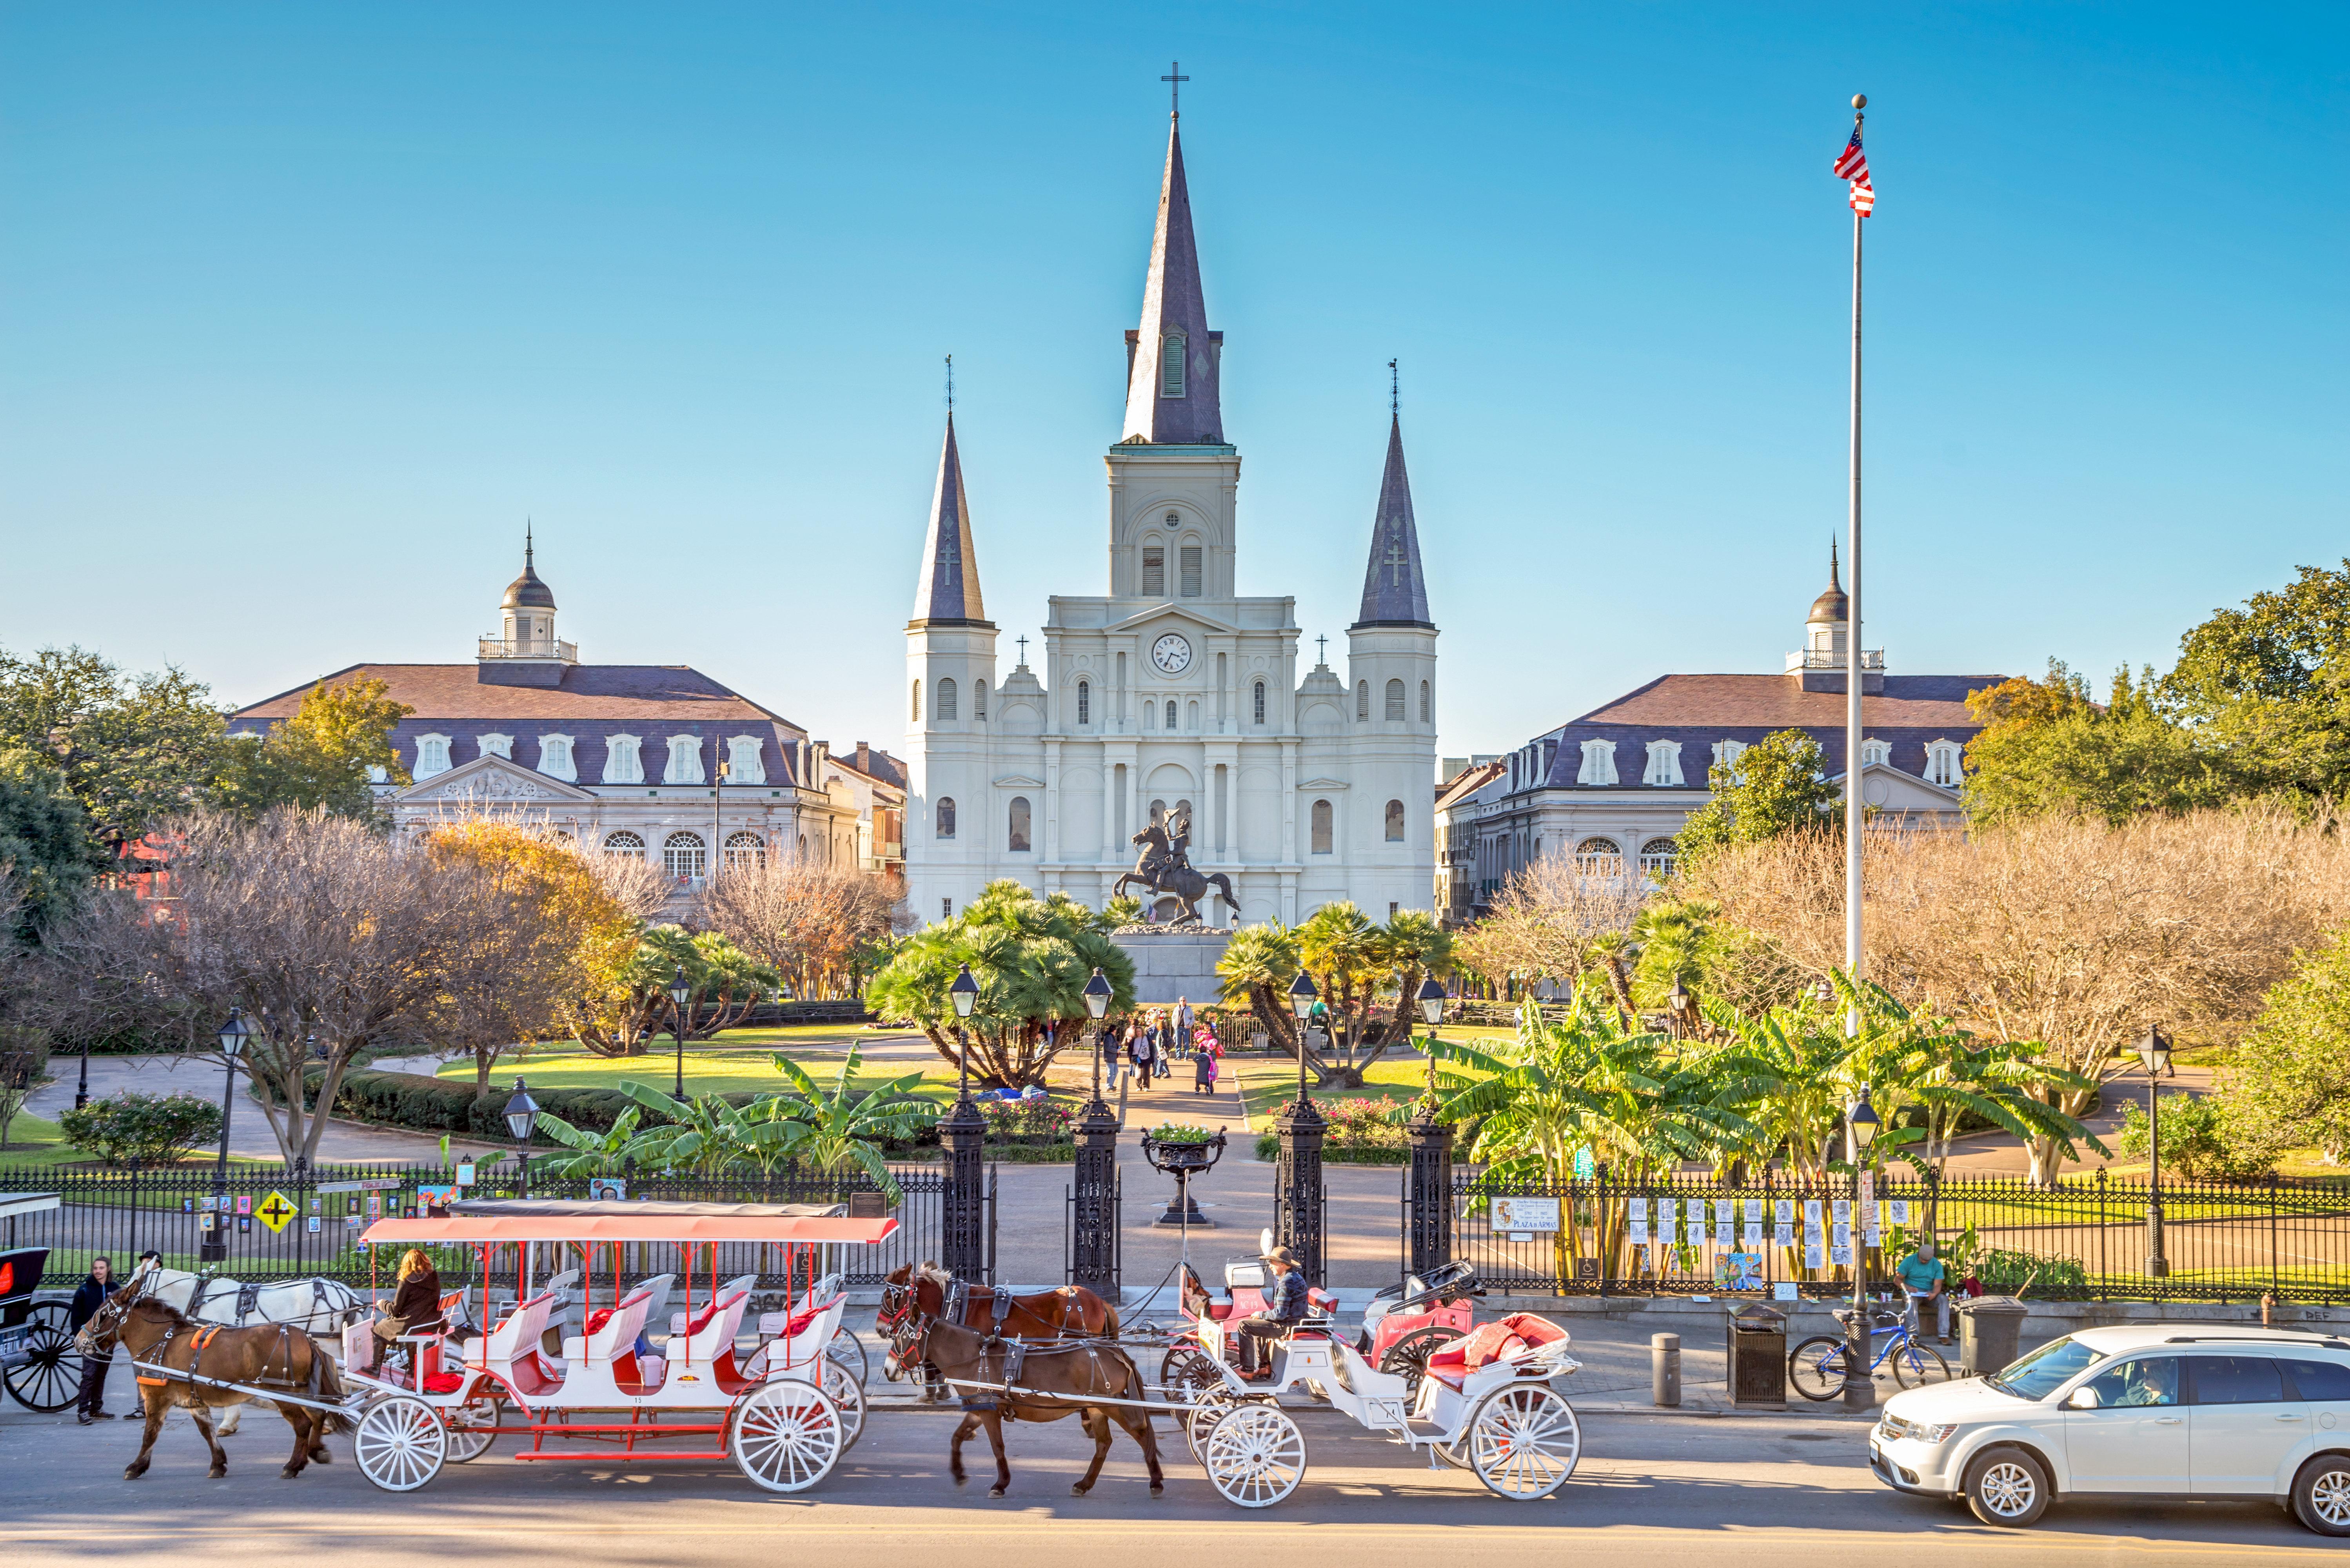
column 1860, row 100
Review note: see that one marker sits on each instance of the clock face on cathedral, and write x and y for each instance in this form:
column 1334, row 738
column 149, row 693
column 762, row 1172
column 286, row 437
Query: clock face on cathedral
column 1171, row 654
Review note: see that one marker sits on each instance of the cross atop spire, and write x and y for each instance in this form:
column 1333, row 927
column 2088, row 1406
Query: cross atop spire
column 1172, row 358
column 1395, row 593
column 948, row 590
column 1175, row 90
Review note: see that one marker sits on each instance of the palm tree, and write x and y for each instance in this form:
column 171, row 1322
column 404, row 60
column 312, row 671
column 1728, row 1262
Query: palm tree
column 1416, row 947
column 828, row 1133
column 1258, row 965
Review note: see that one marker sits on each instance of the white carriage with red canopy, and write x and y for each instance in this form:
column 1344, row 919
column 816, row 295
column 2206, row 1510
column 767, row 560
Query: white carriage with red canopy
column 784, row 1412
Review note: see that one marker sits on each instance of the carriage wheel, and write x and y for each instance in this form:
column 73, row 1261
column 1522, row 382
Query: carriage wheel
column 1254, row 1455
column 400, row 1443
column 468, row 1441
column 1523, row 1442
column 785, row 1435
column 847, row 1392
column 1186, row 1371
column 48, row 1378
column 845, row 1348
column 1408, row 1357
column 1210, row 1405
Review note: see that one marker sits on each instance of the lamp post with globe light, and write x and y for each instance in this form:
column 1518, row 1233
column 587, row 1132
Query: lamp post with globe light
column 963, row 1135
column 1297, row 1175
column 2154, row 1055
column 521, row 1119
column 1859, row 1383
column 1430, row 1206
column 233, row 1036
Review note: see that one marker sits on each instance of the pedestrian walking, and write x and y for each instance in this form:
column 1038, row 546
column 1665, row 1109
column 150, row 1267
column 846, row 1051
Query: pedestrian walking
column 1140, row 1052
column 1107, row 1045
column 90, row 1402
column 1204, row 1054
column 1183, row 1033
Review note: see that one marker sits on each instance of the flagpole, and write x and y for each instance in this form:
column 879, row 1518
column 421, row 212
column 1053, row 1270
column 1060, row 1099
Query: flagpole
column 1853, row 678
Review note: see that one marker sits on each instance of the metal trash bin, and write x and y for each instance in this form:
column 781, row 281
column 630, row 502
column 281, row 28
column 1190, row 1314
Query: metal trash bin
column 1758, row 1357
column 1989, row 1329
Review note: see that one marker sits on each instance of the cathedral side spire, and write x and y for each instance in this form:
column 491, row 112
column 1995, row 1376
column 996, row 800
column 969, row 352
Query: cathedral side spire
column 1395, row 591
column 1171, row 369
column 949, row 587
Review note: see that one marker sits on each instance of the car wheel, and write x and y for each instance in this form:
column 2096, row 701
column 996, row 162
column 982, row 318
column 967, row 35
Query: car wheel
column 2007, row 1486
column 2321, row 1494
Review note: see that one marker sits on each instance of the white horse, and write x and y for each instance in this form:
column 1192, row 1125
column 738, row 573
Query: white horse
column 317, row 1307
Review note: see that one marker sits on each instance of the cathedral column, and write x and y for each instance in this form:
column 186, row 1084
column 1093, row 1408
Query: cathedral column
column 1289, row 802
column 1052, row 803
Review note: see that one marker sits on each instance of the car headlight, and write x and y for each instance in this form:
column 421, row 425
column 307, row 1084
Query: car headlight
column 1894, row 1428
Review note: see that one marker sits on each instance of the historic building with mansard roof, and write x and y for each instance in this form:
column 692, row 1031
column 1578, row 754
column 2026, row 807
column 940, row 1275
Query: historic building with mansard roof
column 649, row 759
column 1171, row 694
column 1613, row 787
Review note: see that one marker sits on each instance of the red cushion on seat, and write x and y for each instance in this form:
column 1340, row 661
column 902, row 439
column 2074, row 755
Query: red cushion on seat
column 598, row 1319
column 442, row 1383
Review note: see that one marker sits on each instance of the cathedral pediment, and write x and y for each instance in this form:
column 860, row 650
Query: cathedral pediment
column 1322, row 784
column 1018, row 781
column 1165, row 612
column 489, row 779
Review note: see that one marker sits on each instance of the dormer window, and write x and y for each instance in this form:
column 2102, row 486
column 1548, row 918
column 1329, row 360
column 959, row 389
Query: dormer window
column 1942, row 764
column 1875, row 754
column 1170, row 365
column 432, row 756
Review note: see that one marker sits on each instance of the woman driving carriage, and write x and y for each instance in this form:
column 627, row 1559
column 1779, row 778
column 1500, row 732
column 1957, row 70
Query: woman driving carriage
column 416, row 1305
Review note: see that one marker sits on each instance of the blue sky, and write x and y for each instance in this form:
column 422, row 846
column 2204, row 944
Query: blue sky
column 302, row 312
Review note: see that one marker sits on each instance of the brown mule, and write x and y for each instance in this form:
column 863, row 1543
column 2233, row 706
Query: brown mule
column 1065, row 1380
column 266, row 1355
column 1067, row 1312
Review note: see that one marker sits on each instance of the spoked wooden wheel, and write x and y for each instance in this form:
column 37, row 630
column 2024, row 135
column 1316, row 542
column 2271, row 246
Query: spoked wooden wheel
column 470, row 1430
column 1408, row 1357
column 1254, row 1455
column 1523, row 1442
column 843, row 1389
column 1186, row 1370
column 400, row 1443
column 1212, row 1402
column 48, row 1377
column 787, row 1435
column 845, row 1348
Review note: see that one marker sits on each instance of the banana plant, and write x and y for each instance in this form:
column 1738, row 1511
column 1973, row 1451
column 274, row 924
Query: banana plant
column 592, row 1153
column 831, row 1131
column 702, row 1135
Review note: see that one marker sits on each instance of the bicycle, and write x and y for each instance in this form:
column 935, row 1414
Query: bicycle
column 1816, row 1366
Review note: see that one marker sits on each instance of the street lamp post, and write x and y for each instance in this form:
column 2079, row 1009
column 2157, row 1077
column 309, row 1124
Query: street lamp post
column 963, row 1135
column 1297, row 1174
column 1429, row 1214
column 680, row 992
column 2153, row 1055
column 1302, row 996
column 1093, row 1253
column 1678, row 1005
column 1859, row 1386
column 964, row 994
column 522, row 1116
column 82, row 1090
column 233, row 1036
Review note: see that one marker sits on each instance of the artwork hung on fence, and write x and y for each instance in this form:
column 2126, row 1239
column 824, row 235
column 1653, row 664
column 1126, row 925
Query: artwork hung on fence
column 1739, row 1272
column 1898, row 1211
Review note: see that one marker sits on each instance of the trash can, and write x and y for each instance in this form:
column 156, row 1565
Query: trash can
column 1989, row 1328
column 1758, row 1357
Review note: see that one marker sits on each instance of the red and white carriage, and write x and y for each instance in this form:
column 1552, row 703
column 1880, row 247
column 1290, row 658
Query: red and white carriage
column 784, row 1411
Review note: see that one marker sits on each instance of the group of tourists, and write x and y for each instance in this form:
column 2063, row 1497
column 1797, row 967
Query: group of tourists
column 1153, row 1040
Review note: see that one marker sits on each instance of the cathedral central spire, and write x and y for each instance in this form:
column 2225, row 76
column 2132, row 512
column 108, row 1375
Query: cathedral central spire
column 948, row 590
column 1171, row 359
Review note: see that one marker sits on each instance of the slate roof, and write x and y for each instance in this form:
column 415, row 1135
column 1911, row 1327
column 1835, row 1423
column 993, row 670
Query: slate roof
column 1395, row 591
column 948, row 589
column 1172, row 301
column 653, row 702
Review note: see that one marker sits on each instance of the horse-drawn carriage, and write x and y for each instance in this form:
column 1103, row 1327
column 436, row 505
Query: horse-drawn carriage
column 38, row 1363
column 784, row 1413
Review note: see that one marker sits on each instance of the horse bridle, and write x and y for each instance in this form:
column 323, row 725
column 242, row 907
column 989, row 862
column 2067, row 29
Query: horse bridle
column 107, row 1321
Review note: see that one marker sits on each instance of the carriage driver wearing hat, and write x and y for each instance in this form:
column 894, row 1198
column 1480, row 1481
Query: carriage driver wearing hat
column 1284, row 1308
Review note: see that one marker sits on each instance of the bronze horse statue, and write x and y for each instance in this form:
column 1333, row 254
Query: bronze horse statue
column 1165, row 867
column 1094, row 1381
column 266, row 1355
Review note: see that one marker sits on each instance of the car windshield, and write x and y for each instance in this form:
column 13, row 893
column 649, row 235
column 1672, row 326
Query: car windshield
column 2046, row 1370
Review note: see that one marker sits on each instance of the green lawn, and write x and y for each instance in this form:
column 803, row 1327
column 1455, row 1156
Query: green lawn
column 737, row 1060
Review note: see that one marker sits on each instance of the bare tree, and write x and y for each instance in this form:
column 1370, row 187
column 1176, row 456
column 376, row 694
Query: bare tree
column 2059, row 930
column 807, row 920
column 1554, row 921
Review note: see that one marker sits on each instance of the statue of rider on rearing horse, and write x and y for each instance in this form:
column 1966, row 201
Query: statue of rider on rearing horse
column 1165, row 867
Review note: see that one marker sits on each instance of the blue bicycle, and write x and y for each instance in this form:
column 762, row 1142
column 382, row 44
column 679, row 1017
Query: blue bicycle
column 1816, row 1366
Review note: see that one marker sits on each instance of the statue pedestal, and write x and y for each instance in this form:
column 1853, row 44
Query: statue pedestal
column 1173, row 964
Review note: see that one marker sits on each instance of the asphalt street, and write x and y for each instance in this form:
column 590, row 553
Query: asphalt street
column 1759, row 1488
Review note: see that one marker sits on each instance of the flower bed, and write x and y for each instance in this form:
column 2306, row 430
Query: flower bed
column 1359, row 1133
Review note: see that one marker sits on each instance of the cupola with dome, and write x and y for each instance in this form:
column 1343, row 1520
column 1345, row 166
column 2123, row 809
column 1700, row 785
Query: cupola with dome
column 526, row 651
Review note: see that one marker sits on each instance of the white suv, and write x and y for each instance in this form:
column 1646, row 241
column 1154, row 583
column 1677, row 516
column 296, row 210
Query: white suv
column 2166, row 1409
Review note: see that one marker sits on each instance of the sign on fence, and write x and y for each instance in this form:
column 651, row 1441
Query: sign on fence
column 373, row 1184
column 276, row 1210
column 1525, row 1215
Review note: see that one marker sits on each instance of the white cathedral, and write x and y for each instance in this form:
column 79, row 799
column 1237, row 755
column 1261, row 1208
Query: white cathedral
column 1171, row 697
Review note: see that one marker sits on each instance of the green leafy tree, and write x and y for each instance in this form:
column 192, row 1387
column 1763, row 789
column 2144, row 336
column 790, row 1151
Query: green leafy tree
column 2269, row 684
column 704, row 1135
column 2199, row 1140
column 131, row 749
column 1777, row 785
column 1031, row 958
column 320, row 756
column 2046, row 747
column 152, row 1129
column 47, row 853
column 2291, row 1075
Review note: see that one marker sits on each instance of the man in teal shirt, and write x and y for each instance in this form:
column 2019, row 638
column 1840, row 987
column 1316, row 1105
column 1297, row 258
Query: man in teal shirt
column 1923, row 1276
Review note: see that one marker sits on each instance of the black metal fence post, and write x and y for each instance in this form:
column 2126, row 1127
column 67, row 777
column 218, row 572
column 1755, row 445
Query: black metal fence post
column 1297, row 1186
column 1428, row 1192
column 963, row 1240
column 1093, row 1245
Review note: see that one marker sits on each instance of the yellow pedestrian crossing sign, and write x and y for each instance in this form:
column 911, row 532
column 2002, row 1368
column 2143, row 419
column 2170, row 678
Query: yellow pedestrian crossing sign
column 276, row 1210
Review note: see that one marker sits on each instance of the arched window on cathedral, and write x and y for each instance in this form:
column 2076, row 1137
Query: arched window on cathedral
column 1150, row 714
column 1084, row 702
column 979, row 701
column 946, row 817
column 917, row 702
column 1016, row 828
column 1186, row 581
column 1395, row 822
column 682, row 856
column 1427, row 708
column 745, row 852
column 1395, row 702
column 1258, row 703
column 1362, row 701
column 1171, row 713
column 946, row 698
column 1321, row 821
column 1192, row 715
column 624, row 843
column 1172, row 348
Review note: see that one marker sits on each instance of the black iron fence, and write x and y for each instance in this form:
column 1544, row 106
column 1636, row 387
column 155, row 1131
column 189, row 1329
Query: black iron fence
column 2090, row 1239
column 272, row 1224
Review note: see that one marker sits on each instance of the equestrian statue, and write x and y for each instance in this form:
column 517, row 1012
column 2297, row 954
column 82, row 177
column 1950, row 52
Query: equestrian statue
column 1165, row 867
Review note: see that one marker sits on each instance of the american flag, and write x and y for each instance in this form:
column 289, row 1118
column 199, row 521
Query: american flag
column 1852, row 164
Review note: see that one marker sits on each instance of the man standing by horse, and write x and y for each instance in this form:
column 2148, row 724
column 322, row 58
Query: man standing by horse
column 89, row 1404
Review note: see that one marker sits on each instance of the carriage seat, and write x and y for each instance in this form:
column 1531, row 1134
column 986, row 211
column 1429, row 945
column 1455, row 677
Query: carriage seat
column 610, row 1331
column 1510, row 1338
column 743, row 1282
column 792, row 1325
column 511, row 1349
column 710, row 1333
